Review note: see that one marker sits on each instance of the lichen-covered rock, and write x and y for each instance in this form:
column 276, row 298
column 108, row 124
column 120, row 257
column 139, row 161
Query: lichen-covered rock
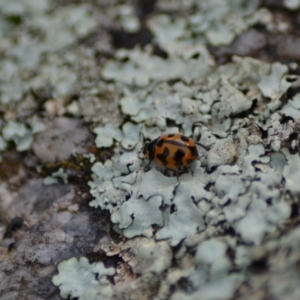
column 203, row 233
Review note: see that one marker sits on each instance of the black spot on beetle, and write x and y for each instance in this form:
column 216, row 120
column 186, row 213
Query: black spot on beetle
column 149, row 149
column 171, row 135
column 160, row 143
column 162, row 157
column 194, row 151
column 179, row 154
column 184, row 138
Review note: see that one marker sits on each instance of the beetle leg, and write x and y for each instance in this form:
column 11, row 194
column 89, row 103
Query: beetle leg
column 192, row 171
column 201, row 145
column 147, row 167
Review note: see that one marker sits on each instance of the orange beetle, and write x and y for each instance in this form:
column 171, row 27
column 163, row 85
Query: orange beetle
column 172, row 151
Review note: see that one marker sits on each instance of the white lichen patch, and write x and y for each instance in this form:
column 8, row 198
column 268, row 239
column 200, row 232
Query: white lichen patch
column 216, row 22
column 28, row 47
column 270, row 85
column 55, row 176
column 141, row 68
column 291, row 171
column 219, row 289
column 292, row 107
column 129, row 21
column 146, row 254
column 18, row 133
column 136, row 216
column 292, row 4
column 185, row 216
column 87, row 281
column 106, row 135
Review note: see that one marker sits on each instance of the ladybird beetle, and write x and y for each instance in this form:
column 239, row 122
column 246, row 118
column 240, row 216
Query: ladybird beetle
column 172, row 151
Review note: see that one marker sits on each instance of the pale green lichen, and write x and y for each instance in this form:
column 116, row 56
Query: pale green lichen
column 129, row 21
column 147, row 254
column 292, row 4
column 21, row 8
column 88, row 281
column 292, row 107
column 19, row 134
column 26, row 51
column 49, row 180
column 106, row 135
column 270, row 85
column 136, row 216
column 141, row 68
column 219, row 23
